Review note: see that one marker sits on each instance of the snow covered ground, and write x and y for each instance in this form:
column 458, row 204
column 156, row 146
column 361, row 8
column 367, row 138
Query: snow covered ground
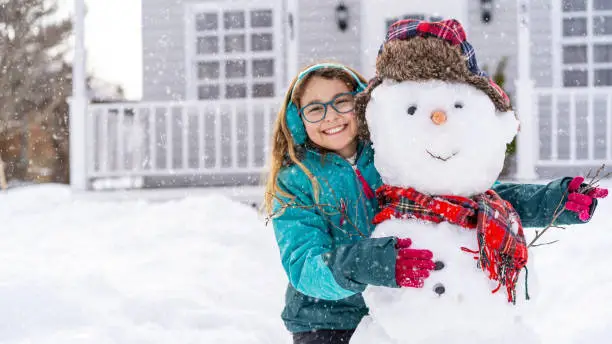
column 205, row 269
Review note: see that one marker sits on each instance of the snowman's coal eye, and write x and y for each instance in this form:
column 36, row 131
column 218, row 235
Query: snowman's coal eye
column 412, row 110
column 458, row 105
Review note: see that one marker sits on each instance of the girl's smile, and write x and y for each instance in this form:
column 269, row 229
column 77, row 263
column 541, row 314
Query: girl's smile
column 335, row 130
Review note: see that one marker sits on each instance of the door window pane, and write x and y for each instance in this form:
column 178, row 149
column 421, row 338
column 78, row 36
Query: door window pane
column 235, row 43
column 261, row 18
column 263, row 68
column 602, row 4
column 603, row 77
column 233, row 20
column 575, row 78
column 263, row 90
column 261, row 42
column 574, row 27
column 208, row 70
column 235, row 91
column 208, row 92
column 575, row 54
column 574, row 5
column 602, row 53
column 208, row 45
column 206, row 21
column 414, row 16
column 235, row 69
column 602, row 25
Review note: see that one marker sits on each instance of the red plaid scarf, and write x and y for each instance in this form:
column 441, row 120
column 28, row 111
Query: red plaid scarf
column 502, row 251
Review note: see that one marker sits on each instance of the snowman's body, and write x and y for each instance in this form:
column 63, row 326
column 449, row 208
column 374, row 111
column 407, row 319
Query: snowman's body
column 464, row 310
column 462, row 156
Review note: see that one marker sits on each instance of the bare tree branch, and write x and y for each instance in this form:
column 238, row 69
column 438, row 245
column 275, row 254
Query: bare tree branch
column 322, row 208
column 544, row 244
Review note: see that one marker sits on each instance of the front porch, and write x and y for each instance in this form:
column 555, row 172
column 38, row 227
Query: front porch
column 175, row 144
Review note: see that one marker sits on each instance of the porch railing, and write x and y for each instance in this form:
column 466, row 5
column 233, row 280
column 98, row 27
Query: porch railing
column 178, row 138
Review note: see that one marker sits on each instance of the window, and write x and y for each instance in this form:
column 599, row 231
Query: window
column 235, row 50
column 586, row 43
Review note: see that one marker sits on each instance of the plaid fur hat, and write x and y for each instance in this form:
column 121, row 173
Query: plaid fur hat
column 419, row 50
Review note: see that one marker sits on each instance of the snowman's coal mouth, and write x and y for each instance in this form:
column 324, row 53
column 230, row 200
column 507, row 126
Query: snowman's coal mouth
column 441, row 157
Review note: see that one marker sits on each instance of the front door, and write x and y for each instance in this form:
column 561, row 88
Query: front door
column 378, row 15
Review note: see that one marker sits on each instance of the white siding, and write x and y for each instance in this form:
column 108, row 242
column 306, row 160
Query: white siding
column 163, row 49
column 496, row 39
column 321, row 39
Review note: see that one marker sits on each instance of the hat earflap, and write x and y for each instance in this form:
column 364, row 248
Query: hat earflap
column 295, row 124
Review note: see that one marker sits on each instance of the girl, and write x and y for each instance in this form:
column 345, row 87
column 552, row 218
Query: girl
column 320, row 195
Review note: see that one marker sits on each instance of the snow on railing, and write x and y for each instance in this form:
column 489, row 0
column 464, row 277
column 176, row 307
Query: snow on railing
column 178, row 138
column 573, row 126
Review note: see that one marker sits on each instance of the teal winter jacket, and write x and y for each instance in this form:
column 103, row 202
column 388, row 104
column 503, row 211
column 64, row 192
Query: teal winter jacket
column 325, row 245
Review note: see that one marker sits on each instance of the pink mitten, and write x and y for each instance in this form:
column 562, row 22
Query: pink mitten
column 412, row 266
column 580, row 203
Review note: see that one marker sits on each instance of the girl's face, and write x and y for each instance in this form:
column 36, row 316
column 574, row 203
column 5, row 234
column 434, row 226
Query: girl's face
column 337, row 132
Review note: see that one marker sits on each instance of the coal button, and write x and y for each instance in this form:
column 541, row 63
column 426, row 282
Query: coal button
column 439, row 289
column 439, row 265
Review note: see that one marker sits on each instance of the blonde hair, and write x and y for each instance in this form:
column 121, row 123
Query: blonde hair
column 282, row 144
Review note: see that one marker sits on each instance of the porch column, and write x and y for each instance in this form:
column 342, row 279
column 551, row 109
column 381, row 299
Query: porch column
column 293, row 39
column 527, row 144
column 78, row 103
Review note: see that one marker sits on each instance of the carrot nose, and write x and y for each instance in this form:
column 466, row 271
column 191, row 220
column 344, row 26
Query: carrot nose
column 438, row 117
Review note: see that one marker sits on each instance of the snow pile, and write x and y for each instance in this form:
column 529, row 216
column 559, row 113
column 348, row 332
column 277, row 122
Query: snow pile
column 200, row 270
column 206, row 270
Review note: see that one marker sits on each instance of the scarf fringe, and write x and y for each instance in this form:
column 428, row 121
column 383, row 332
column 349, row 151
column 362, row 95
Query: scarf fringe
column 501, row 269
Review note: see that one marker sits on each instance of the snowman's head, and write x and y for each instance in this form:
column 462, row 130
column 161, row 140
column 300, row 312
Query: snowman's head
column 438, row 137
column 438, row 123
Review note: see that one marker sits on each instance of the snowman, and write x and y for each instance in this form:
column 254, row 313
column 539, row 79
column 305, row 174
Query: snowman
column 440, row 128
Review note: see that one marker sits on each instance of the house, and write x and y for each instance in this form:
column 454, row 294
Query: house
column 214, row 74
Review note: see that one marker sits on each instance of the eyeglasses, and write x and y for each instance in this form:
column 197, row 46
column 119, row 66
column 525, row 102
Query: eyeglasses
column 316, row 111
